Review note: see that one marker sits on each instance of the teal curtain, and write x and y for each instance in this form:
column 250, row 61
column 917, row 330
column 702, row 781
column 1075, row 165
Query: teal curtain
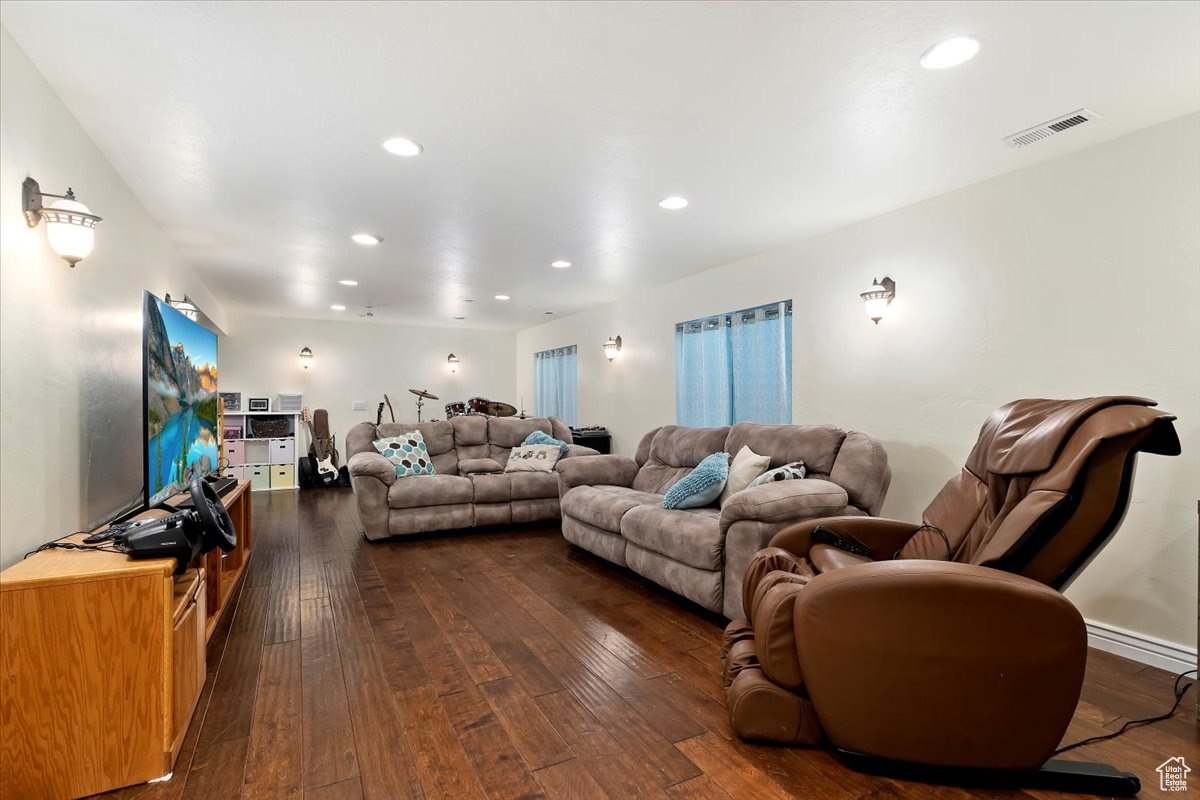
column 555, row 383
column 735, row 367
column 703, row 373
column 760, row 340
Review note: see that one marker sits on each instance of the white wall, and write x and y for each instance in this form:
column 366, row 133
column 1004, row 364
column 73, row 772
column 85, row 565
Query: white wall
column 363, row 360
column 70, row 339
column 1076, row 277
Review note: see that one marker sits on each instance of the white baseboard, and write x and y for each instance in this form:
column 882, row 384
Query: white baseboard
column 1144, row 649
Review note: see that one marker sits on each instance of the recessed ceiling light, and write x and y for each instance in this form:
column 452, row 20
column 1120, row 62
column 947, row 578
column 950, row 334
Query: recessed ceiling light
column 560, row 264
column 673, row 203
column 367, row 238
column 348, row 283
column 950, row 53
column 337, row 307
column 503, row 297
column 399, row 146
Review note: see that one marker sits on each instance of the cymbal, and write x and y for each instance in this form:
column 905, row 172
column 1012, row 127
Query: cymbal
column 423, row 393
column 498, row 409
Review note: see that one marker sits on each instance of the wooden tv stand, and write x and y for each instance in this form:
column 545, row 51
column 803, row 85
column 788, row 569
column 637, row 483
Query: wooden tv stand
column 102, row 660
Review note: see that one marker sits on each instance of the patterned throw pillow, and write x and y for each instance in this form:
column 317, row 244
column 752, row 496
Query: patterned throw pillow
column 533, row 458
column 701, row 486
column 788, row 472
column 537, row 437
column 407, row 452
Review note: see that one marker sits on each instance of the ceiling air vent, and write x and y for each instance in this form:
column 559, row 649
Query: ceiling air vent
column 1051, row 127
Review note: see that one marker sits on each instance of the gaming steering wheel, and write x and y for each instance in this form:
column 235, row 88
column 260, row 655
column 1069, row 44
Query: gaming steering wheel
column 216, row 527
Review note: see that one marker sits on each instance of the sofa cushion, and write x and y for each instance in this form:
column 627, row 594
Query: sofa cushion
column 510, row 432
column 533, row 485
column 675, row 452
column 492, row 488
column 605, row 544
column 698, row 585
column 439, row 441
column 603, row 506
column 430, row 490
column 815, row 445
column 689, row 536
column 702, row 486
column 470, row 437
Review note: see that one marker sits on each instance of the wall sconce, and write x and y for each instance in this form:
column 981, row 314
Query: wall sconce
column 878, row 298
column 185, row 307
column 452, row 363
column 70, row 226
column 612, row 347
column 306, row 357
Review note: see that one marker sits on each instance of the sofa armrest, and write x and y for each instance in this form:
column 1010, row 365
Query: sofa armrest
column 577, row 450
column 784, row 501
column 372, row 465
column 883, row 537
column 944, row 648
column 595, row 471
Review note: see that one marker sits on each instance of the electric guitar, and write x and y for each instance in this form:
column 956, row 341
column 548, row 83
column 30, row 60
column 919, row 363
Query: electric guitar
column 326, row 471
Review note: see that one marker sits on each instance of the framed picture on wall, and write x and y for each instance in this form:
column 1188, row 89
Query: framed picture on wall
column 231, row 401
column 260, row 404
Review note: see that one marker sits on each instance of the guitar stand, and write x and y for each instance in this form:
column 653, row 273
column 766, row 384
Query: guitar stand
column 1058, row 775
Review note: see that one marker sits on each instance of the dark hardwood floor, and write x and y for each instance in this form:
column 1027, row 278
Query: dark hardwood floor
column 506, row 664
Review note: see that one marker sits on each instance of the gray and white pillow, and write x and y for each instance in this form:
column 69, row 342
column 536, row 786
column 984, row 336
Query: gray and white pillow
column 533, row 458
column 788, row 472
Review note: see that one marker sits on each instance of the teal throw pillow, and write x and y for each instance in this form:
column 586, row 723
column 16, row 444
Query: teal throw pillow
column 702, row 486
column 407, row 452
column 537, row 437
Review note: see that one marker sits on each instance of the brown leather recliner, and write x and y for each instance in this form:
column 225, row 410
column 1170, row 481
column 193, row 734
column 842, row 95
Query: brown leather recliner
column 945, row 644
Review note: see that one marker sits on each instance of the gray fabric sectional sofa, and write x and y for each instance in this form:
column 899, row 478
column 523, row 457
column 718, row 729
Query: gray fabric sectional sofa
column 612, row 505
column 469, row 488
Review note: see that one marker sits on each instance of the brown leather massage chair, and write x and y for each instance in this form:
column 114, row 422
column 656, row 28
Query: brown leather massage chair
column 943, row 650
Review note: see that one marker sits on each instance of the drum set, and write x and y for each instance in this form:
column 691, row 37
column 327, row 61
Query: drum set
column 480, row 407
column 476, row 406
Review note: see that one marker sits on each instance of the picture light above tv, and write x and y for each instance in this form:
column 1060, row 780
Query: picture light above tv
column 180, row 428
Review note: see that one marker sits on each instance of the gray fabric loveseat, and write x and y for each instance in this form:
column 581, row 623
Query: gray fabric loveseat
column 469, row 488
column 612, row 505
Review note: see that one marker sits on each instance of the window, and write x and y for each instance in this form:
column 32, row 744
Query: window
column 554, row 383
column 735, row 367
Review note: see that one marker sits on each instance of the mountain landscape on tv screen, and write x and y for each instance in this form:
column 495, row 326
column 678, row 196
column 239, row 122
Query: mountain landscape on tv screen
column 181, row 399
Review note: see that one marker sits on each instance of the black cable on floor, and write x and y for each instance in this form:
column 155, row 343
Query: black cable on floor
column 1134, row 723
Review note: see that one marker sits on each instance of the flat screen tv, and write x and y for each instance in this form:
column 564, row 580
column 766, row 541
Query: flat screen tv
column 179, row 398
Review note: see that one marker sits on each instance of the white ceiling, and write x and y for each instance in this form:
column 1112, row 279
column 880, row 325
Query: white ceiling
column 251, row 131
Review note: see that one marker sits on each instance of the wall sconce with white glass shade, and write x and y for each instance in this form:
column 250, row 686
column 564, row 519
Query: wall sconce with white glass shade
column 878, row 298
column 612, row 347
column 70, row 225
column 306, row 357
column 452, row 363
column 184, row 306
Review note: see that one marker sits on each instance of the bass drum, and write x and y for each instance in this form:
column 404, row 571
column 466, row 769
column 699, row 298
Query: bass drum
column 478, row 405
column 455, row 409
